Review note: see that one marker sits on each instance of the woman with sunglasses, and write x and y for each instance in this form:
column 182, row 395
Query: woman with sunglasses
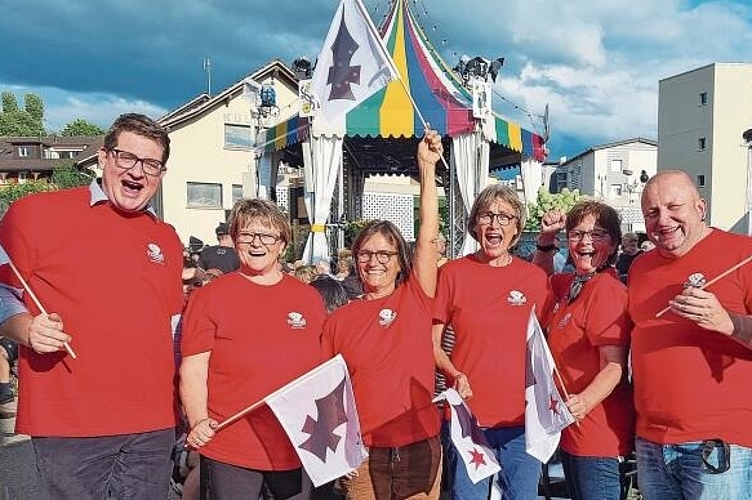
column 487, row 297
column 245, row 335
column 385, row 337
column 588, row 333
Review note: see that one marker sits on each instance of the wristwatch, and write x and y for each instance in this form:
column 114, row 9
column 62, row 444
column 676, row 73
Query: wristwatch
column 545, row 248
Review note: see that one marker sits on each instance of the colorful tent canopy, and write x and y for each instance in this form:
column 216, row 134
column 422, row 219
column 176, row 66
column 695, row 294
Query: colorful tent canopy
column 442, row 100
column 286, row 133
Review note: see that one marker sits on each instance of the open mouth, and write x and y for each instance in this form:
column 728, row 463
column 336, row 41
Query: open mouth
column 131, row 187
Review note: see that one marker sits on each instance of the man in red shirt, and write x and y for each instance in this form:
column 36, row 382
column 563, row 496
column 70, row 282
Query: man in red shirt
column 692, row 364
column 108, row 272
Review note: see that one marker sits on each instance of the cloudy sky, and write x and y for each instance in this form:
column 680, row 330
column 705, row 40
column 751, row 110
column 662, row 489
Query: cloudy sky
column 597, row 64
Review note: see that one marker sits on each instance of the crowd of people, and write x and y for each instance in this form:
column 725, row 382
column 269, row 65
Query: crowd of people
column 117, row 361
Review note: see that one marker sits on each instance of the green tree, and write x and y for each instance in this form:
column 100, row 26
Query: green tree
column 546, row 202
column 34, row 106
column 66, row 175
column 10, row 104
column 27, row 122
column 79, row 126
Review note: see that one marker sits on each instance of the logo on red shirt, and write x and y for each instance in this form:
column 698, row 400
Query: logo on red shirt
column 296, row 320
column 516, row 298
column 387, row 317
column 154, row 253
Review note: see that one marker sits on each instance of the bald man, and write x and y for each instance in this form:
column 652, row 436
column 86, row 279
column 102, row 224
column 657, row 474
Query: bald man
column 692, row 365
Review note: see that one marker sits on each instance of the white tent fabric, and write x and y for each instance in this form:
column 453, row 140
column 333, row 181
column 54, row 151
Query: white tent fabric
column 470, row 153
column 532, row 178
column 324, row 162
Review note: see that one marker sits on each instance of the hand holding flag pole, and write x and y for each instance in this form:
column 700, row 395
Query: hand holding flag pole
column 722, row 275
column 6, row 259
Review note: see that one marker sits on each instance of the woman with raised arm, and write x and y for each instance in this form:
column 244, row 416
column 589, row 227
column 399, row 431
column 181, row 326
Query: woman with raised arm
column 385, row 337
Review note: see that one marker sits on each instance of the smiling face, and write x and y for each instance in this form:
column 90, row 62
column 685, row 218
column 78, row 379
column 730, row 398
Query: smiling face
column 379, row 279
column 130, row 189
column 674, row 213
column 590, row 245
column 259, row 248
column 495, row 238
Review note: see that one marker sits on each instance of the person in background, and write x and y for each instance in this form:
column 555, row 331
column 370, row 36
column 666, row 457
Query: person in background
column 630, row 249
column 235, row 333
column 589, row 342
column 487, row 297
column 108, row 270
column 306, row 274
column 222, row 256
column 385, row 337
column 692, row 364
column 331, row 291
column 8, row 356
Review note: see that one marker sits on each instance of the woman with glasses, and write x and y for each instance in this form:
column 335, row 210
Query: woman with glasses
column 245, row 335
column 588, row 333
column 385, row 337
column 487, row 298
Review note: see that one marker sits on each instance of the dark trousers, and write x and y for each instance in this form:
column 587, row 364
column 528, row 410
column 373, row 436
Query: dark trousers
column 130, row 466
column 221, row 481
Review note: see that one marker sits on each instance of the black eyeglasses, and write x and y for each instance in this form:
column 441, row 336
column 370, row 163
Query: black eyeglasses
column 382, row 256
column 265, row 238
column 595, row 235
column 126, row 161
column 488, row 218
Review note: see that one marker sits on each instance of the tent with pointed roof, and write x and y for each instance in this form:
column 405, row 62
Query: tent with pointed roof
column 373, row 133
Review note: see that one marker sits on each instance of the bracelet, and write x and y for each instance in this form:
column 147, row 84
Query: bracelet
column 545, row 248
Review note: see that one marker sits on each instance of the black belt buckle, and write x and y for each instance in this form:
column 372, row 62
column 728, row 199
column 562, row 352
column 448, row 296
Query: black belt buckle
column 723, row 454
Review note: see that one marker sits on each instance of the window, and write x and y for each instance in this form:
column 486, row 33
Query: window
column 237, row 192
column 23, row 151
column 238, row 136
column 23, row 177
column 703, row 98
column 204, row 195
column 701, row 181
column 616, row 165
column 701, row 144
column 615, row 190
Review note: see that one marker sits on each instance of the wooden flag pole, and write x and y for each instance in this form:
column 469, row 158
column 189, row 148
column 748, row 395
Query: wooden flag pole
column 722, row 275
column 36, row 301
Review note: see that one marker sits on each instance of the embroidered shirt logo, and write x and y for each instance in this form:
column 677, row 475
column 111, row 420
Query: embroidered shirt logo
column 516, row 298
column 387, row 317
column 296, row 320
column 696, row 280
column 563, row 321
column 154, row 253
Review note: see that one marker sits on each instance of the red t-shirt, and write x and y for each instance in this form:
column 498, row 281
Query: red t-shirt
column 690, row 383
column 489, row 308
column 260, row 338
column 115, row 282
column 388, row 348
column 598, row 317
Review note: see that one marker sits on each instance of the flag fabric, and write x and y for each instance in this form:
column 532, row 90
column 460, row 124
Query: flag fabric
column 545, row 412
column 469, row 439
column 353, row 63
column 317, row 411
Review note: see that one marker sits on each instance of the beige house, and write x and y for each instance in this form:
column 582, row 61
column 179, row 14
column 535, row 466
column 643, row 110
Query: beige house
column 615, row 172
column 212, row 163
column 702, row 115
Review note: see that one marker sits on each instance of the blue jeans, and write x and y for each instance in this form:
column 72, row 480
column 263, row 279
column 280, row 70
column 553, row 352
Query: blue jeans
column 591, row 478
column 677, row 471
column 519, row 475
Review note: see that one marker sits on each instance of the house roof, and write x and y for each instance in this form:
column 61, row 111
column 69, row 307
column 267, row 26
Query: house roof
column 203, row 103
column 8, row 163
column 608, row 145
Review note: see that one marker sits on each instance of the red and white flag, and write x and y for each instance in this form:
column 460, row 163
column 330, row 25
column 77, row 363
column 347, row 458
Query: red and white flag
column 468, row 439
column 317, row 411
column 353, row 63
column 545, row 412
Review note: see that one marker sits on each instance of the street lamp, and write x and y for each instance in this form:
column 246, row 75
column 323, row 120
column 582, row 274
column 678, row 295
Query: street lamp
column 747, row 137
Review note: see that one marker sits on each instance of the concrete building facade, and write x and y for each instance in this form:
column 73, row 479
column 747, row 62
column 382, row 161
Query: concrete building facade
column 702, row 115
